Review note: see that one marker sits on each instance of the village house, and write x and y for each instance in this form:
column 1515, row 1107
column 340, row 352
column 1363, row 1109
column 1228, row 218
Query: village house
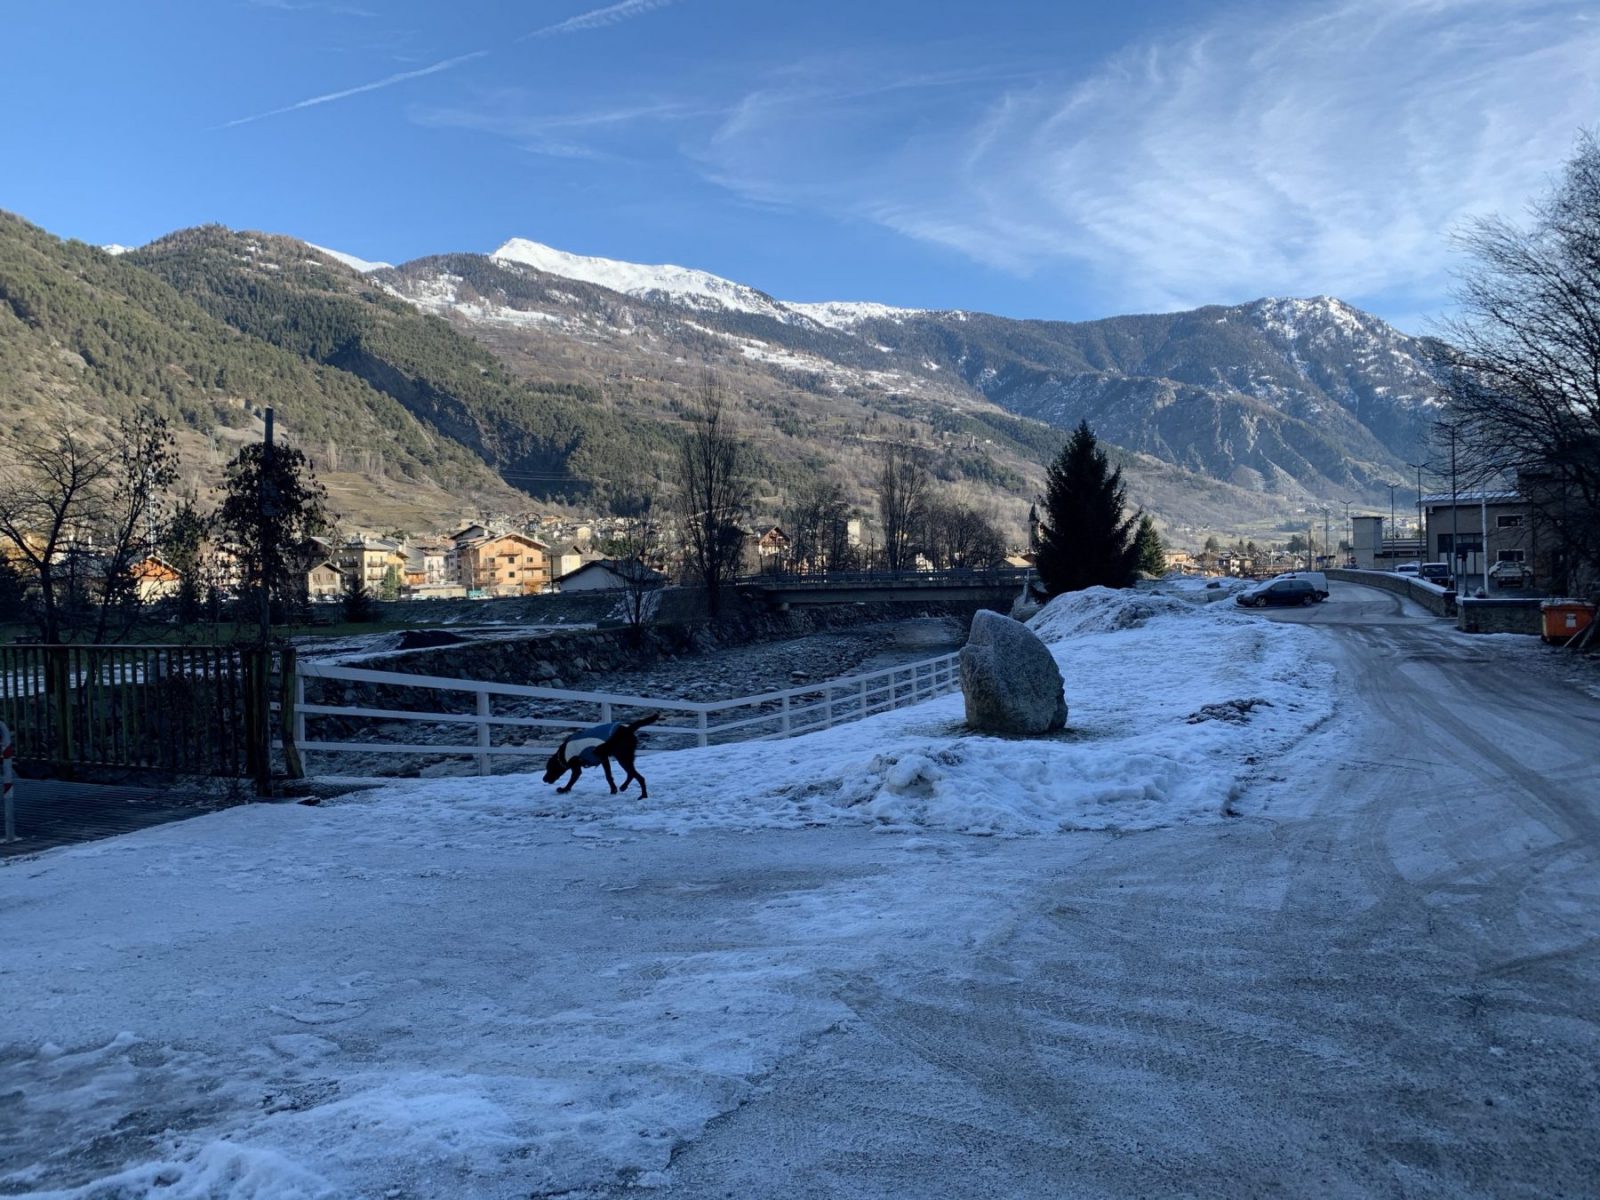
column 609, row 574
column 154, row 578
column 505, row 564
column 324, row 581
column 773, row 545
column 370, row 559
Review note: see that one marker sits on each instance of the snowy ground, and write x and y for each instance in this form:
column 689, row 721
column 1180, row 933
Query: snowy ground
column 478, row 988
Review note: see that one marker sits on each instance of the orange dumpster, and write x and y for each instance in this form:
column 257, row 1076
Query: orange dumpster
column 1565, row 619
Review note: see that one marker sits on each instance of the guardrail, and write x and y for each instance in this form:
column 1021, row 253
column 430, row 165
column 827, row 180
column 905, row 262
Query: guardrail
column 767, row 715
column 949, row 577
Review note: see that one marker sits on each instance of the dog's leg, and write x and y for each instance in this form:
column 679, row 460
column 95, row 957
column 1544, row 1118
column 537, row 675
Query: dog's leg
column 633, row 773
column 576, row 771
column 605, row 765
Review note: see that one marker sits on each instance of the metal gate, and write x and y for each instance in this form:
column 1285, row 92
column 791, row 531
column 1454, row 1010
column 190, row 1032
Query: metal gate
column 174, row 710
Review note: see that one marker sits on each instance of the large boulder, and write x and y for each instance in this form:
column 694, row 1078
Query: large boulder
column 1010, row 681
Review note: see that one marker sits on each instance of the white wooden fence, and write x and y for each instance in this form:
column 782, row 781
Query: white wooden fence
column 769, row 715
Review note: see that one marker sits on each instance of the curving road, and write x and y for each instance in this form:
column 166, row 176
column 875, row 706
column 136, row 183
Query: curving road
column 1385, row 984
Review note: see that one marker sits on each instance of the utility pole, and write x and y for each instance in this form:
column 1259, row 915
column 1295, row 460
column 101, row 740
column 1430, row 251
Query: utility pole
column 1392, row 487
column 1457, row 560
column 267, row 507
column 1349, row 533
column 1421, row 533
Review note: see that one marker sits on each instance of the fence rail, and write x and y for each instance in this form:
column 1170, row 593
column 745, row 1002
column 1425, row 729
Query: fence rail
column 767, row 715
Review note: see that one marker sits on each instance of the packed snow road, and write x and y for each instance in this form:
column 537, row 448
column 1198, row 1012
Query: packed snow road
column 795, row 972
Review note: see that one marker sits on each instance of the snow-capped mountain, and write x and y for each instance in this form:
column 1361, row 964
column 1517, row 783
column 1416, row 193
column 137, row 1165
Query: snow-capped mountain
column 683, row 285
column 363, row 265
column 1280, row 396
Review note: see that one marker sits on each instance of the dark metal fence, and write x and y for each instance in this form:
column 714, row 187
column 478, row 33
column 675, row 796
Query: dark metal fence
column 182, row 710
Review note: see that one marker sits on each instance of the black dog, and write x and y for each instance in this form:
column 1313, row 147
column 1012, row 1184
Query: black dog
column 596, row 747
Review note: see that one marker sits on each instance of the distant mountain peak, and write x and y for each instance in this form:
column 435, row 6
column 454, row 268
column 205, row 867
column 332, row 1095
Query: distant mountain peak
column 686, row 285
column 363, row 265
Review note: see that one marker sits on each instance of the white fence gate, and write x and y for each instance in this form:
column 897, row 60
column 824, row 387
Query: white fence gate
column 769, row 715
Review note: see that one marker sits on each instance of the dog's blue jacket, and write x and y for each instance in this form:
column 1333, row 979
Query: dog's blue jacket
column 581, row 746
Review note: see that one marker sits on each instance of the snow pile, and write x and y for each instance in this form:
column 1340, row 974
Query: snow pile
column 1102, row 610
column 1137, row 666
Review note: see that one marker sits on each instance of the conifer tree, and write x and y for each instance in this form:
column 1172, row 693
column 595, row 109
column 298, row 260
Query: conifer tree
column 1084, row 538
column 1152, row 551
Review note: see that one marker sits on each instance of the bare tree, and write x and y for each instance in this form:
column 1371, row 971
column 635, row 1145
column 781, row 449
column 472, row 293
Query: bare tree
column 144, row 465
column 953, row 534
column 817, row 523
column 52, row 499
column 1522, row 361
column 713, row 493
column 638, row 551
column 902, row 493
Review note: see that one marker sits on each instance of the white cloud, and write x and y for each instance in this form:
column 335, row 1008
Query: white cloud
column 1302, row 149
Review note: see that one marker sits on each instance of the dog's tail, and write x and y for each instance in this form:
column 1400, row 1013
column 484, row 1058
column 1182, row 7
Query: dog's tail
column 635, row 726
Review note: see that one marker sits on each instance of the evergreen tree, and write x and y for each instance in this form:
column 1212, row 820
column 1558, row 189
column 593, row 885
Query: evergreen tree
column 264, row 519
column 1152, row 551
column 1084, row 538
column 359, row 607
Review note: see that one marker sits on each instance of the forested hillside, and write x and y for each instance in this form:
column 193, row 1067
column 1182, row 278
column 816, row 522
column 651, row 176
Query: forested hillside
column 87, row 338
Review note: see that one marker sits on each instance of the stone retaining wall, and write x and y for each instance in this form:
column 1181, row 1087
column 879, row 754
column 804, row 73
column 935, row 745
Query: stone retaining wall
column 1500, row 615
column 1437, row 600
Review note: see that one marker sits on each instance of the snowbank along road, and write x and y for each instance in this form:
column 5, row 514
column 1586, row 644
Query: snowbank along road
column 1289, row 910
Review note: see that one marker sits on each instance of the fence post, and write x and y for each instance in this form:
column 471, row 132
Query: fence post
column 258, row 716
column 827, row 706
column 861, row 709
column 783, row 724
column 700, row 733
column 605, row 712
column 58, row 684
column 8, row 782
column 483, row 731
column 291, row 695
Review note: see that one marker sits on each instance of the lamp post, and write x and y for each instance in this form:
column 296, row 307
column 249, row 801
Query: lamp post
column 1420, row 534
column 1349, row 532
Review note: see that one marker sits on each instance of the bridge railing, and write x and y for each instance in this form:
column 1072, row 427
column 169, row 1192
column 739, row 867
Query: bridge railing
column 512, row 721
column 952, row 577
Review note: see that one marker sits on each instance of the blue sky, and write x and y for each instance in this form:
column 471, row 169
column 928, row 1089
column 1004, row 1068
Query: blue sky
column 1063, row 160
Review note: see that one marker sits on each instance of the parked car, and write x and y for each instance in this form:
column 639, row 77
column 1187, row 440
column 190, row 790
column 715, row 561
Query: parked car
column 1316, row 579
column 1278, row 591
column 1408, row 568
column 1436, row 572
column 1510, row 574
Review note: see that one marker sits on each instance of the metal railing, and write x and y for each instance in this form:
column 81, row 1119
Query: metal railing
column 196, row 710
column 947, row 577
column 472, row 705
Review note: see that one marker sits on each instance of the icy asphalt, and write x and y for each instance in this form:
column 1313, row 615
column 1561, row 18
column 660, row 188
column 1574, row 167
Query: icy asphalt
column 1380, row 981
column 1388, row 990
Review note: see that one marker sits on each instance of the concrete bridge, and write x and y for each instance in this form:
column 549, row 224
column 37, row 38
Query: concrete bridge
column 989, row 585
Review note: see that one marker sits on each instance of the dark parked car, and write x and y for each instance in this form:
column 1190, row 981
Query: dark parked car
column 1436, row 572
column 1278, row 591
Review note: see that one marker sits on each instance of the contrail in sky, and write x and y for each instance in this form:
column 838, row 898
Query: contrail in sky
column 596, row 18
column 387, row 81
